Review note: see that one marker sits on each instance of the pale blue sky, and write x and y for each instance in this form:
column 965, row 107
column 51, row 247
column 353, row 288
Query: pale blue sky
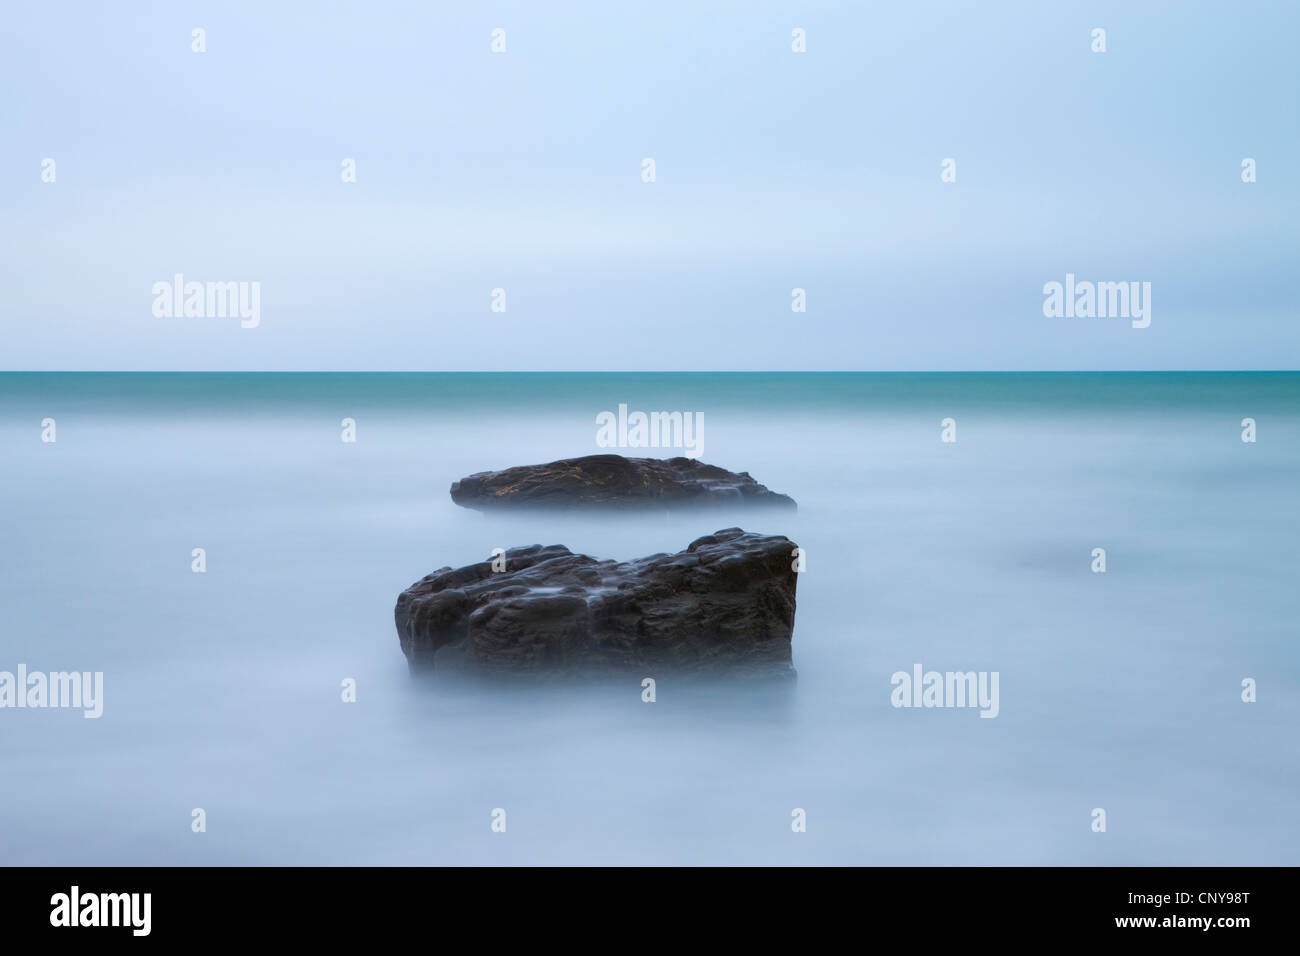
column 775, row 170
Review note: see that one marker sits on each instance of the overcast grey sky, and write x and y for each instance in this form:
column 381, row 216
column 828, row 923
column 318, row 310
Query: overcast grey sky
column 774, row 170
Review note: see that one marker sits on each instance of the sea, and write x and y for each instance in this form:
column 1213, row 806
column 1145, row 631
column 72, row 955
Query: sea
column 1120, row 549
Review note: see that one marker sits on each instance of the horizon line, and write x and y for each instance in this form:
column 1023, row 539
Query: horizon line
column 327, row 371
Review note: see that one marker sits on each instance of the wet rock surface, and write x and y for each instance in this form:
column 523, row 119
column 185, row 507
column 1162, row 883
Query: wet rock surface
column 615, row 482
column 723, row 606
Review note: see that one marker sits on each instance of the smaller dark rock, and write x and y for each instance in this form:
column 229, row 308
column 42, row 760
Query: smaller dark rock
column 612, row 481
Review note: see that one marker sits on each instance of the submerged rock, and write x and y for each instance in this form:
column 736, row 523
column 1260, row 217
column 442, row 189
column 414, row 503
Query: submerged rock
column 612, row 481
column 724, row 605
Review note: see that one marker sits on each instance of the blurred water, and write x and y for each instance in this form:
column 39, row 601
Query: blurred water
column 222, row 690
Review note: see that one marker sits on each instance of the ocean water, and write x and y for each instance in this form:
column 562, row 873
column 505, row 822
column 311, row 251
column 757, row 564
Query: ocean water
column 222, row 690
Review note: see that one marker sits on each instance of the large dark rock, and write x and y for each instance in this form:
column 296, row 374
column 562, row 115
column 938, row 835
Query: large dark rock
column 612, row 481
column 724, row 605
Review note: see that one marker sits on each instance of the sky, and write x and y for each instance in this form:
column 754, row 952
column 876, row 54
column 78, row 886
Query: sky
column 775, row 170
